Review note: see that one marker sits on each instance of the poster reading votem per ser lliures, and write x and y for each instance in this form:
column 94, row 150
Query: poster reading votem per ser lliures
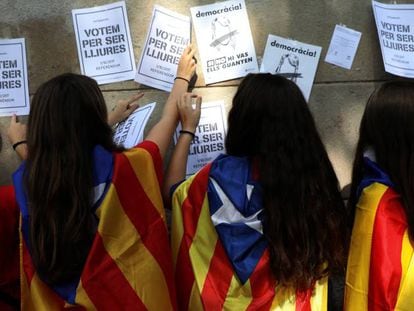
column 224, row 40
column 395, row 26
column 104, row 43
column 130, row 132
column 210, row 134
column 167, row 37
column 14, row 89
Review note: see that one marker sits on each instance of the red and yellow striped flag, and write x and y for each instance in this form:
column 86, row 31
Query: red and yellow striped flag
column 129, row 265
column 205, row 278
column 380, row 274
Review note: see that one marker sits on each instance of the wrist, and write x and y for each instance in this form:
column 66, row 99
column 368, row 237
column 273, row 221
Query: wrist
column 187, row 133
column 112, row 120
column 19, row 143
column 191, row 129
column 22, row 151
column 182, row 78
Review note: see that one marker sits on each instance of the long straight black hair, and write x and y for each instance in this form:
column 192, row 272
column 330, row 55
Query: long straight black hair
column 68, row 118
column 387, row 128
column 305, row 215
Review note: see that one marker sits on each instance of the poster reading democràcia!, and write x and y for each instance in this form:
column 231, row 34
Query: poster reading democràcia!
column 168, row 35
column 210, row 135
column 14, row 89
column 130, row 132
column 104, row 43
column 292, row 59
column 224, row 40
column 395, row 26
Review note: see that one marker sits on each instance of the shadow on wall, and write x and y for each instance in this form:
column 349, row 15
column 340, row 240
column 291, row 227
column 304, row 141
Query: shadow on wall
column 50, row 47
column 337, row 107
column 51, row 50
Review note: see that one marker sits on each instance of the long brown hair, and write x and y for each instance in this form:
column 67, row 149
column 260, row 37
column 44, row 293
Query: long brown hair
column 68, row 118
column 305, row 215
column 387, row 128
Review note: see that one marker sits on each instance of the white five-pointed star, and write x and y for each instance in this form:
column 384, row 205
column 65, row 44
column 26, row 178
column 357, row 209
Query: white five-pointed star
column 228, row 214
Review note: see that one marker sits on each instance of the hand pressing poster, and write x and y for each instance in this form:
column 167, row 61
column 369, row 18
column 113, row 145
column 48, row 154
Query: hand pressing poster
column 14, row 89
column 130, row 132
column 167, row 38
column 104, row 43
column 292, row 59
column 396, row 35
column 210, row 135
column 224, row 40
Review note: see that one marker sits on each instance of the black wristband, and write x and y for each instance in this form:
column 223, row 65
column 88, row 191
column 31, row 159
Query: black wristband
column 188, row 132
column 19, row 143
column 181, row 78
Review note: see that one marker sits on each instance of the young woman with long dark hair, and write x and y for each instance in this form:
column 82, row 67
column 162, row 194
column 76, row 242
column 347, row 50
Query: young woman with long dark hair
column 264, row 226
column 93, row 230
column 380, row 273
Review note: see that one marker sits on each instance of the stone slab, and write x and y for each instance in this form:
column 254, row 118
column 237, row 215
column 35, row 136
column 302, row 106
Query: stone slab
column 337, row 109
column 337, row 99
column 51, row 46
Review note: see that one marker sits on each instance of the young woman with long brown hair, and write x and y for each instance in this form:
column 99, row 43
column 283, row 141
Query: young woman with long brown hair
column 380, row 273
column 93, row 230
column 264, row 226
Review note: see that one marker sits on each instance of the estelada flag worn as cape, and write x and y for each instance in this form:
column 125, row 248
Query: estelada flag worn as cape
column 129, row 264
column 220, row 253
column 380, row 273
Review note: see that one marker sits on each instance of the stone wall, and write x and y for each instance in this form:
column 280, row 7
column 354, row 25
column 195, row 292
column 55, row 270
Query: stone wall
column 338, row 96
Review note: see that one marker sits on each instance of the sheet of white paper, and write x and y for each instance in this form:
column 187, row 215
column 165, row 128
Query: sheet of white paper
column 224, row 40
column 167, row 37
column 295, row 60
column 104, row 43
column 210, row 135
column 343, row 47
column 14, row 88
column 130, row 132
column 395, row 26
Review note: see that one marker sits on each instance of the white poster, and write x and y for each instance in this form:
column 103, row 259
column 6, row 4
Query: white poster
column 14, row 89
column 224, row 40
column 104, row 43
column 130, row 132
column 395, row 26
column 210, row 135
column 343, row 47
column 168, row 35
column 292, row 59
